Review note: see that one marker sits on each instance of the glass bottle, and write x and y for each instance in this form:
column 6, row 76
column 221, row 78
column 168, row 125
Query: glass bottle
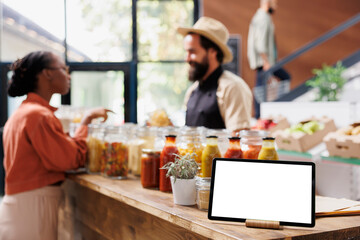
column 251, row 143
column 234, row 150
column 189, row 141
column 150, row 164
column 94, row 143
column 116, row 150
column 167, row 155
column 210, row 152
column 268, row 151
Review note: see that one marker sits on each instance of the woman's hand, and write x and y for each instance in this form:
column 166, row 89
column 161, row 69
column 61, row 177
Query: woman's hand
column 95, row 113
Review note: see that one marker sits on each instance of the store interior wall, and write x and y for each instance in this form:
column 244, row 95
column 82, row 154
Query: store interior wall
column 297, row 23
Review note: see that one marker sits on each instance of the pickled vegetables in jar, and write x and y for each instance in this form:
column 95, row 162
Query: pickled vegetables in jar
column 115, row 153
column 189, row 141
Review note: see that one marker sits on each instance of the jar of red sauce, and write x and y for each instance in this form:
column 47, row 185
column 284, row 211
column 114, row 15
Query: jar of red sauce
column 234, row 150
column 251, row 143
column 150, row 164
column 167, row 155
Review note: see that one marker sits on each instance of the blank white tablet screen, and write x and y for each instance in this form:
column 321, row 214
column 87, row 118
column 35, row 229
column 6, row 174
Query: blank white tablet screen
column 265, row 191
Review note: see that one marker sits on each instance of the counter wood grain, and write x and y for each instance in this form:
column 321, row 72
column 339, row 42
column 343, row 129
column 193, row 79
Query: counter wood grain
column 101, row 208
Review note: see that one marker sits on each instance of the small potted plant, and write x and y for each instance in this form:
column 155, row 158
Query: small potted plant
column 182, row 174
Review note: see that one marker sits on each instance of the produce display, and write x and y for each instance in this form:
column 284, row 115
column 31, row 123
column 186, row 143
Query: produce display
column 115, row 163
column 308, row 127
column 305, row 135
column 264, row 124
column 351, row 130
column 344, row 142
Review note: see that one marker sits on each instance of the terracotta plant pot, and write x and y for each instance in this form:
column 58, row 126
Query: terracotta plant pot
column 184, row 191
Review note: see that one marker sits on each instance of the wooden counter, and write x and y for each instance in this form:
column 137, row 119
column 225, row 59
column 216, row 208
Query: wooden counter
column 101, row 208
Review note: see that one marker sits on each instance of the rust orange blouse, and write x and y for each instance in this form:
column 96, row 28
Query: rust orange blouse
column 36, row 150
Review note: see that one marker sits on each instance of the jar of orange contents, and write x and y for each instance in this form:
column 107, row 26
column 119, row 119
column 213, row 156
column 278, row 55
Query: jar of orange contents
column 150, row 164
column 190, row 141
column 234, row 150
column 251, row 143
column 167, row 155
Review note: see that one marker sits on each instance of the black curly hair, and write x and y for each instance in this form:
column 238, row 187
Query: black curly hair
column 25, row 71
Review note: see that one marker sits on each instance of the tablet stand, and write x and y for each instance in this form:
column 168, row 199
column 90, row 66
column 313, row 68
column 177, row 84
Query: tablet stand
column 262, row 224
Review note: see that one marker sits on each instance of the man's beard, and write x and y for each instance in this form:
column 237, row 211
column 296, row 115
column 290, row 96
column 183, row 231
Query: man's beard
column 198, row 70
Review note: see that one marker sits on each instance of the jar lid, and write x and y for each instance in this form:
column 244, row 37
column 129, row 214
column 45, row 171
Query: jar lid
column 211, row 136
column 234, row 138
column 151, row 151
column 253, row 133
column 203, row 182
column 268, row 138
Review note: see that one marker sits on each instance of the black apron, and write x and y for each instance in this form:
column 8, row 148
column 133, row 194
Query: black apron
column 202, row 107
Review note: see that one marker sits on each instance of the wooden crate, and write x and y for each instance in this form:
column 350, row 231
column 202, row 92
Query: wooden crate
column 302, row 142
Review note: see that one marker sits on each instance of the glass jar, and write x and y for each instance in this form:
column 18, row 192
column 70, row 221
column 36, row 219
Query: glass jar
column 150, row 164
column 210, row 152
column 268, row 151
column 190, row 141
column 251, row 142
column 116, row 150
column 203, row 193
column 144, row 139
column 234, row 150
column 94, row 143
column 167, row 155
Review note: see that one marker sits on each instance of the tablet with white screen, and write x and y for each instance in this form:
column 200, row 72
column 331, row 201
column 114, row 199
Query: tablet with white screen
column 282, row 191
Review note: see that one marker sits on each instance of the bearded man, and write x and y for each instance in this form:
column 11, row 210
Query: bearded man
column 218, row 98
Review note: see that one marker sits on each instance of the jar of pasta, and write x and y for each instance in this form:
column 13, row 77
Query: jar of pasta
column 116, row 152
column 94, row 143
column 251, row 143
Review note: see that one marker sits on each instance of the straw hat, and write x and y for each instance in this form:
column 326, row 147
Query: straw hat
column 214, row 31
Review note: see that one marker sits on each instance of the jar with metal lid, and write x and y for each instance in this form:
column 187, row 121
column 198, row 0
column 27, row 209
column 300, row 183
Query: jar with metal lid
column 203, row 192
column 94, row 143
column 116, row 152
column 150, row 168
column 251, row 143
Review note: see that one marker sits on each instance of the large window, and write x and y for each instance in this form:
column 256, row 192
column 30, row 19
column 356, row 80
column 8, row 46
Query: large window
column 123, row 54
